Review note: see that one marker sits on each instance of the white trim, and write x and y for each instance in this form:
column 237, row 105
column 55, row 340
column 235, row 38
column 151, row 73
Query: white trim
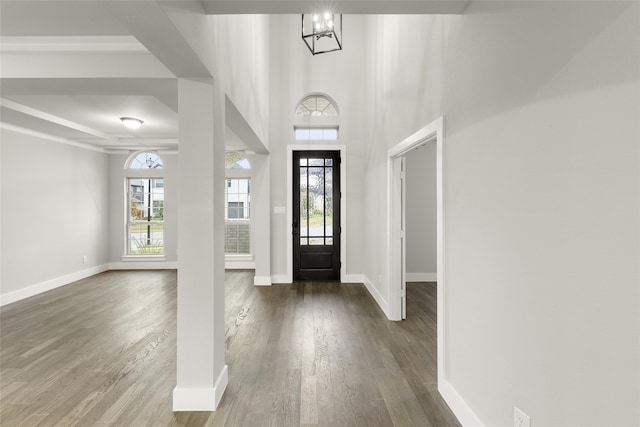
column 395, row 241
column 280, row 278
column 432, row 132
column 458, row 406
column 343, row 204
column 422, row 277
column 143, row 258
column 144, row 265
column 353, row 278
column 201, row 399
column 50, row 284
column 261, row 281
column 384, row 305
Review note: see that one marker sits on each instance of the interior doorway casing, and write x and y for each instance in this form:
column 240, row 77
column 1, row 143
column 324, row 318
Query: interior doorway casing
column 343, row 204
column 430, row 134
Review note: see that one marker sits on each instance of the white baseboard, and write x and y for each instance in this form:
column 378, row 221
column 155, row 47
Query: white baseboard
column 143, row 265
column 50, row 284
column 458, row 406
column 353, row 278
column 422, row 277
column 280, row 278
column 261, row 280
column 348, row 278
column 201, row 399
column 382, row 302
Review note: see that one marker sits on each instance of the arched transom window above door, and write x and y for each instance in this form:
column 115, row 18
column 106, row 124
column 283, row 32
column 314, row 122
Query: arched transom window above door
column 317, row 105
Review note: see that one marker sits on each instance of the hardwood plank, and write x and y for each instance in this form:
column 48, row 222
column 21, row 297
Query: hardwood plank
column 101, row 351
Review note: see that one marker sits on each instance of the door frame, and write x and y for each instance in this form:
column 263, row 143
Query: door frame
column 396, row 268
column 343, row 203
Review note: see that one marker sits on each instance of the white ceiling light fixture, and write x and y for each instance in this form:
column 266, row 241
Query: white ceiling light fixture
column 131, row 123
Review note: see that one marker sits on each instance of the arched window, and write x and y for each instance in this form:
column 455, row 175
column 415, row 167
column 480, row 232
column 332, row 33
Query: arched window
column 316, row 118
column 236, row 160
column 317, row 105
column 144, row 160
column 145, row 205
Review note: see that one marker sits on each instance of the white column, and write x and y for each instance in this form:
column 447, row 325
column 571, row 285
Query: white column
column 260, row 163
column 201, row 372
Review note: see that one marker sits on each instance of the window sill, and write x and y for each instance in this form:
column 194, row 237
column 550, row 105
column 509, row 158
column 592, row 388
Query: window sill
column 230, row 257
column 134, row 258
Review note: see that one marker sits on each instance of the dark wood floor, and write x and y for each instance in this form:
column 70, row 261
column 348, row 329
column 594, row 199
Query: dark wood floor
column 101, row 351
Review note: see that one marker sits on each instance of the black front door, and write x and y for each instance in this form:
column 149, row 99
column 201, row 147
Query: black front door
column 316, row 215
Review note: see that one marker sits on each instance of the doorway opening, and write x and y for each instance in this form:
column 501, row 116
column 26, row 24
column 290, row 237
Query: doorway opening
column 396, row 237
column 289, row 210
column 316, row 215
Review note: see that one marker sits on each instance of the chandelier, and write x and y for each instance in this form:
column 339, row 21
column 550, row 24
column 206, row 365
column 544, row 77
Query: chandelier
column 322, row 32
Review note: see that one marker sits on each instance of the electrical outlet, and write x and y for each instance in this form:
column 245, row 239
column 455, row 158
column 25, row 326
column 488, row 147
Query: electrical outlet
column 84, row 259
column 520, row 419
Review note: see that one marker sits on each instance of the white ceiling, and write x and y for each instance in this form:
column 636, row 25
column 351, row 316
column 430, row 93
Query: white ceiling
column 71, row 69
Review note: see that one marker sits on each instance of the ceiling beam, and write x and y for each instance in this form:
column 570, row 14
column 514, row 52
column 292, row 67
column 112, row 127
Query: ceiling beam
column 237, row 123
column 148, row 22
column 163, row 89
column 6, row 103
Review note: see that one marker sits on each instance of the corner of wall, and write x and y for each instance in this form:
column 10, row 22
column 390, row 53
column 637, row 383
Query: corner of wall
column 382, row 302
column 458, row 406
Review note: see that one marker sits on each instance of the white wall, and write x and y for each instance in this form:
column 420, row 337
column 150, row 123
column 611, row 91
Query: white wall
column 235, row 51
column 54, row 212
column 294, row 74
column 541, row 199
column 421, row 213
column 117, row 210
column 245, row 67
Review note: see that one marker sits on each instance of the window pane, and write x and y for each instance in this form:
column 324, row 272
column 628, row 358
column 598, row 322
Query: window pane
column 304, row 241
column 145, row 230
column 237, row 237
column 330, row 134
column 146, row 239
column 316, row 200
column 329, row 241
column 328, row 207
column 302, row 134
column 304, row 202
column 315, row 133
column 317, row 241
column 237, row 221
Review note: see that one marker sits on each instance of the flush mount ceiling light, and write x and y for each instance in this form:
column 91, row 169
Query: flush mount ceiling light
column 131, row 123
column 322, row 32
